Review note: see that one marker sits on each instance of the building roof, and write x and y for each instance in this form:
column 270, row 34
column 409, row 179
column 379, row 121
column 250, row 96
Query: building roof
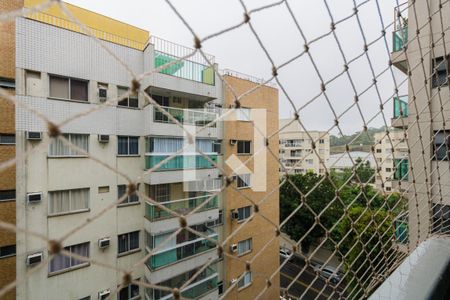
column 342, row 160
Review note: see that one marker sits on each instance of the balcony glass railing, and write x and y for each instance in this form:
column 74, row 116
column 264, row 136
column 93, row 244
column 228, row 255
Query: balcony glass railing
column 181, row 206
column 182, row 251
column 399, row 39
column 196, row 117
column 401, row 107
column 204, row 283
column 401, row 231
column 181, row 162
column 401, row 171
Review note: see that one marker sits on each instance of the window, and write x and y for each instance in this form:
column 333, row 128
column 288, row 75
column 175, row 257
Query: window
column 128, row 145
column 441, row 144
column 171, row 145
column 7, row 251
column 246, row 280
column 388, row 189
column 32, row 83
column 129, row 292
column 128, row 242
column 244, row 246
column 309, row 161
column 7, row 139
column 243, row 114
column 388, row 170
column 243, row 147
column 7, row 195
column 441, row 218
column 121, row 190
column 68, row 201
column 129, row 101
column 440, row 71
column 217, row 147
column 321, row 141
column 57, row 148
column 378, row 150
column 86, row 298
column 244, row 213
column 160, row 192
column 243, row 180
column 220, row 287
column 68, row 88
column 61, row 262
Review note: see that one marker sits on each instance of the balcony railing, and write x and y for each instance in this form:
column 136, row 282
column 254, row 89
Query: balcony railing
column 185, row 116
column 401, row 171
column 195, row 68
column 401, row 107
column 401, row 230
column 205, row 283
column 181, row 251
column 292, row 145
column 399, row 39
column 182, row 206
column 181, row 162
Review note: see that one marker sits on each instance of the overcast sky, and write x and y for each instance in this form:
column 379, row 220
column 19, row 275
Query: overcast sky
column 239, row 49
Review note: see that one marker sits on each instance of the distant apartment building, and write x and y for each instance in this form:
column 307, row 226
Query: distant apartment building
column 296, row 151
column 7, row 148
column 389, row 153
column 423, row 112
column 61, row 71
column 347, row 160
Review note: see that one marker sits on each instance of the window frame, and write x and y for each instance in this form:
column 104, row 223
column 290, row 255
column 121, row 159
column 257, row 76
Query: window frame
column 240, row 182
column 121, row 103
column 129, row 199
column 129, row 250
column 72, row 266
column 69, row 92
column 128, row 137
column 443, row 227
column 69, row 137
column 2, row 249
column 61, row 213
column 243, row 280
column 445, row 145
column 244, row 144
column 128, row 289
column 440, row 66
column 8, row 135
column 248, row 244
column 6, row 192
column 242, row 211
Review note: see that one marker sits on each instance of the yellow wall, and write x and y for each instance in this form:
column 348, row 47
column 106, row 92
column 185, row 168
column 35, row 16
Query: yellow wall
column 102, row 27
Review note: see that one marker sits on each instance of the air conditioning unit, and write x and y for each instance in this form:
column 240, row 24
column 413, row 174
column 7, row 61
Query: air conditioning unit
column 34, row 197
column 104, row 294
column 233, row 142
column 102, row 94
column 233, row 248
column 103, row 138
column 104, row 243
column 234, row 215
column 33, row 259
column 34, row 135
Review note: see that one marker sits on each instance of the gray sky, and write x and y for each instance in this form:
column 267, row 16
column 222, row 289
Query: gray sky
column 238, row 50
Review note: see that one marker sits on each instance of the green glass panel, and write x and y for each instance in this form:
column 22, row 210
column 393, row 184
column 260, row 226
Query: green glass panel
column 400, row 39
column 162, row 59
column 400, row 105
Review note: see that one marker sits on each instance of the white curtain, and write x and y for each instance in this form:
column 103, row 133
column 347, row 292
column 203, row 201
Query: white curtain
column 68, row 200
column 57, row 148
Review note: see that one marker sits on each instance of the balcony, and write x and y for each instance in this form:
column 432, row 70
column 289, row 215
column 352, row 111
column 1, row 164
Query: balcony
column 400, row 37
column 182, row 251
column 203, row 284
column 181, row 162
column 401, row 169
column 401, row 112
column 195, row 117
column 181, row 206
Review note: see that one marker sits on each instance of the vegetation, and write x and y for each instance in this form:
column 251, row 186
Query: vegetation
column 366, row 138
column 367, row 221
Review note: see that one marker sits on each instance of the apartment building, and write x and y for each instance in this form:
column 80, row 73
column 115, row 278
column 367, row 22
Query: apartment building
column 296, row 152
column 7, row 148
column 424, row 112
column 60, row 188
column 390, row 152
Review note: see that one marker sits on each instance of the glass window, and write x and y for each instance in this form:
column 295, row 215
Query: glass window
column 441, row 145
column 7, row 251
column 58, row 148
column 244, row 213
column 243, row 114
column 441, row 218
column 440, row 71
column 128, row 242
column 128, row 145
column 160, row 192
column 129, row 292
column 61, row 262
column 121, row 190
column 59, row 87
column 66, row 201
column 244, row 246
column 243, row 147
column 243, row 180
column 7, row 139
column 246, row 280
column 127, row 101
column 7, row 195
column 78, row 90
